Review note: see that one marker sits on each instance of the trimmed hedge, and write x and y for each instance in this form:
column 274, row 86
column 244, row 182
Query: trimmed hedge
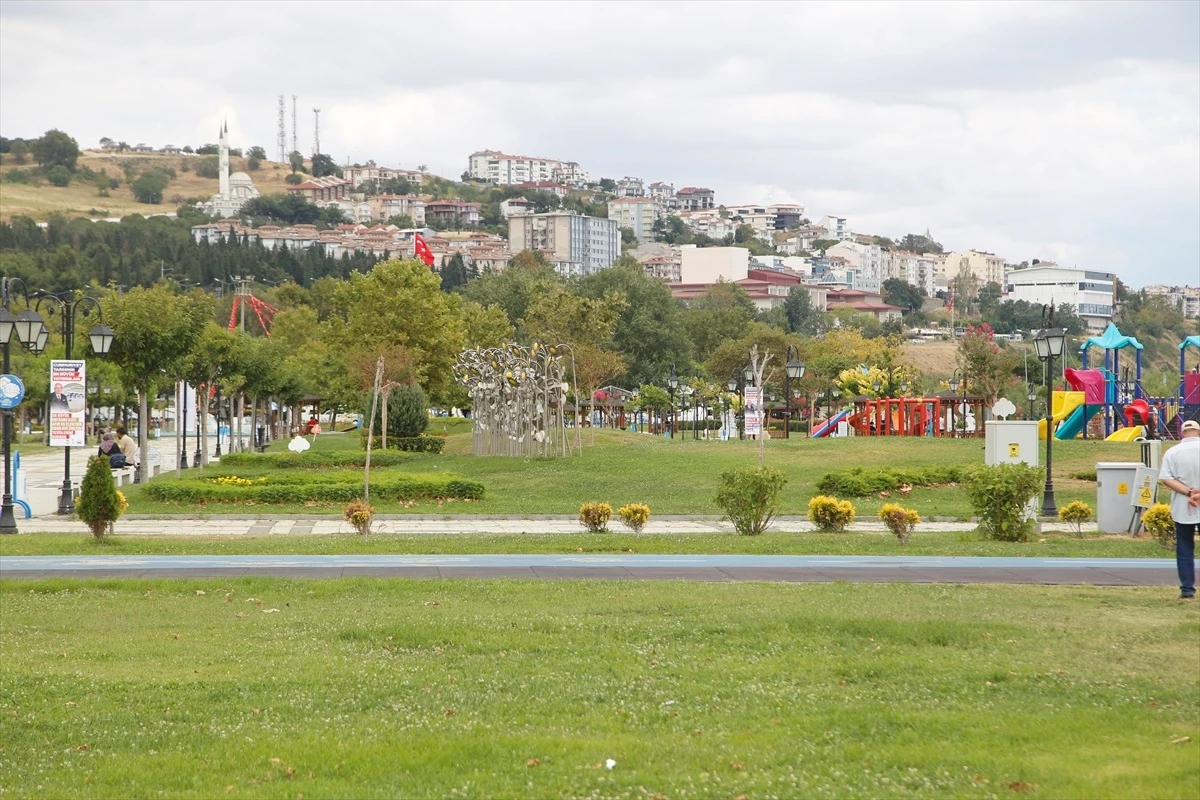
column 392, row 487
column 857, row 482
column 415, row 444
column 313, row 460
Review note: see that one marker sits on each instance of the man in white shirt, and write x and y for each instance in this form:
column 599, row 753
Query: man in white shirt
column 1181, row 474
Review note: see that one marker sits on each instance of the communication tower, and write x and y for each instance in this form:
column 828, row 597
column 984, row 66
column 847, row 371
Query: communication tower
column 281, row 134
column 295, row 141
column 316, row 131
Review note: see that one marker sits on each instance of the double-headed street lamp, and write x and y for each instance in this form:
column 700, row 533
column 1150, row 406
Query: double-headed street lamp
column 27, row 332
column 672, row 386
column 1049, row 344
column 793, row 370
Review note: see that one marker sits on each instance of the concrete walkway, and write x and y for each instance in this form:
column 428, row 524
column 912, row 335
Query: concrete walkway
column 822, row 569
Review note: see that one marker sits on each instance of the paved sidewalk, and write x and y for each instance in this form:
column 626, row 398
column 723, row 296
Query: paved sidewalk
column 721, row 568
column 277, row 526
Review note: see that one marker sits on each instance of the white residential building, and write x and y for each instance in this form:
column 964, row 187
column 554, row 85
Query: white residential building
column 865, row 259
column 515, row 206
column 664, row 195
column 695, row 198
column 570, row 173
column 711, row 264
column 636, row 213
column 582, row 245
column 360, row 175
column 837, row 226
column 385, row 206
column 503, row 169
column 708, row 222
column 986, row 267
column 759, row 217
column 630, row 187
column 1091, row 293
column 1185, row 298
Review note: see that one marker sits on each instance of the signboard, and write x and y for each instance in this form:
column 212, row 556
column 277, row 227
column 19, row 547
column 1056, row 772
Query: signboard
column 1014, row 450
column 1145, row 482
column 12, row 391
column 754, row 410
column 68, row 403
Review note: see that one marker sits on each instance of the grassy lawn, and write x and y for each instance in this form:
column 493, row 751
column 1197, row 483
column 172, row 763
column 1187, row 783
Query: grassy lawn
column 862, row 544
column 385, row 688
column 679, row 477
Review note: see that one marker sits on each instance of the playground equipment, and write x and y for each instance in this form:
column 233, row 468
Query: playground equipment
column 831, row 424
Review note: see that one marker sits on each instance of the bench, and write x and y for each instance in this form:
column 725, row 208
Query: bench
column 123, row 475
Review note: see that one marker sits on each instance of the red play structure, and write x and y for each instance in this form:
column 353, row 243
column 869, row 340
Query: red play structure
column 942, row 415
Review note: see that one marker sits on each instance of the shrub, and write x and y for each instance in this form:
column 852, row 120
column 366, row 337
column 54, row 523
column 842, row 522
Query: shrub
column 314, row 460
column 293, row 179
column 634, row 516
column 830, row 514
column 1157, row 520
column 408, row 412
column 750, row 498
column 360, row 515
column 899, row 520
column 416, row 444
column 595, row 516
column 100, row 504
column 58, row 175
column 325, row 487
column 1077, row 512
column 1000, row 495
column 857, row 482
column 1085, row 475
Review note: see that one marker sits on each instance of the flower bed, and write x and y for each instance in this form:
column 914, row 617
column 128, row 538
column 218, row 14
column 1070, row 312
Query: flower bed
column 324, row 488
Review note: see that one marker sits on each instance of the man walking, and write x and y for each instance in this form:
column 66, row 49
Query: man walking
column 1181, row 474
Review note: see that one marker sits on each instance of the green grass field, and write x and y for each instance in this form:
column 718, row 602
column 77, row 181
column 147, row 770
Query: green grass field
column 476, row 689
column 679, row 477
column 864, row 544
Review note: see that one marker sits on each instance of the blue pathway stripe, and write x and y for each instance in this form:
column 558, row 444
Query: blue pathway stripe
column 31, row 563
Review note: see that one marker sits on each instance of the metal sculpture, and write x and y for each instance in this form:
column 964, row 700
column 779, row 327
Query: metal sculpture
column 518, row 399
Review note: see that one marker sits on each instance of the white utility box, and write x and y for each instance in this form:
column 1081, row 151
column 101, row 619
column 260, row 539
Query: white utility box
column 1010, row 442
column 1115, row 483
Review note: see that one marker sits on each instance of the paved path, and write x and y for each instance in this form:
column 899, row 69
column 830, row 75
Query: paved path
column 862, row 569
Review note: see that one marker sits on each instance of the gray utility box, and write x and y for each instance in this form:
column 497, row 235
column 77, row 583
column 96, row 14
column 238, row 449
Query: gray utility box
column 1115, row 482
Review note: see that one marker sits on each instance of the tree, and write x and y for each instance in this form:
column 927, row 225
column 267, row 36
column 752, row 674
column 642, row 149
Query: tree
column 899, row 292
column 19, row 151
column 58, row 175
column 989, row 297
column 154, row 330
column 823, row 244
column 148, row 187
column 56, row 148
column 400, row 303
column 917, row 243
column 720, row 315
column 401, row 221
column 209, row 167
column 257, row 152
column 454, row 273
column 802, row 316
column 323, row 165
column 212, row 358
column 628, row 237
column 208, row 150
column 987, row 366
column 513, row 289
column 253, row 164
column 296, row 160
column 486, row 327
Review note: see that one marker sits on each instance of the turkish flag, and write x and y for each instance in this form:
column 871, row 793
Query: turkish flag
column 422, row 250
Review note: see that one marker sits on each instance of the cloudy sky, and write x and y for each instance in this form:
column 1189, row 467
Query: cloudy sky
column 1064, row 131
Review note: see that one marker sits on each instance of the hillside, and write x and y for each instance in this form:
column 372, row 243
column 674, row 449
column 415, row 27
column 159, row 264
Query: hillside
column 83, row 198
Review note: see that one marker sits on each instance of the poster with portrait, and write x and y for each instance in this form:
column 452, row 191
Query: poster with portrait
column 68, row 403
column 753, row 410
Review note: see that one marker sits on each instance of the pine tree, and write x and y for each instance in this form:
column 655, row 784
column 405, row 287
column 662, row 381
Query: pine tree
column 99, row 503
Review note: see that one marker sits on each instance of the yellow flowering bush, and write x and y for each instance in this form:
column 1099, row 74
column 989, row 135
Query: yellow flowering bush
column 634, row 516
column 899, row 520
column 830, row 514
column 595, row 516
column 360, row 514
column 1158, row 522
column 1077, row 512
column 234, row 480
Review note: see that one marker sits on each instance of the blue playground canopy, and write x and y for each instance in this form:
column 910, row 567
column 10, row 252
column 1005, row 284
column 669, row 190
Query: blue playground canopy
column 1191, row 341
column 1113, row 339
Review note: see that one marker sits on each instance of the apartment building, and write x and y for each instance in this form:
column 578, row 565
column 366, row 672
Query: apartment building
column 570, row 173
column 759, row 217
column 503, row 169
column 695, row 198
column 636, row 213
column 579, row 244
column 321, row 189
column 915, row 270
column 838, row 227
column 1184, row 298
column 453, row 213
column 385, row 206
column 986, row 267
column 515, row 206
column 359, row 175
column 630, row 187
column 865, row 259
column 708, row 222
column 1091, row 293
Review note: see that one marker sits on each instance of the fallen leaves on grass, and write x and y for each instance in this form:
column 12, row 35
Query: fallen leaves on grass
column 1181, row 740
column 533, row 762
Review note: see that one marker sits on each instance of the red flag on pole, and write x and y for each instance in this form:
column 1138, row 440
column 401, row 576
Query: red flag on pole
column 422, row 250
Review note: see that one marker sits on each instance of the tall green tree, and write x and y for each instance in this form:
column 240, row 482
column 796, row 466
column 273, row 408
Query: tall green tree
column 154, row 331
column 901, row 293
column 721, row 314
column 213, row 357
column 987, row 365
column 56, row 148
column 454, row 273
column 324, row 165
column 802, row 316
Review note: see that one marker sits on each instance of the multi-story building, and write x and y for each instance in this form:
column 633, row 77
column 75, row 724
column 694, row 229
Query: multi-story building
column 759, row 217
column 1184, row 298
column 865, row 259
column 581, row 245
column 636, row 213
column 986, row 267
column 787, row 215
column 515, row 206
column 385, row 206
column 703, row 265
column 1091, row 293
column 570, row 173
column 507, row 170
column 550, row 187
column 708, row 222
column 370, row 173
column 913, row 269
column 664, row 195
column 695, row 198
column 452, row 213
column 630, row 187
column 837, row 226
column 320, row 189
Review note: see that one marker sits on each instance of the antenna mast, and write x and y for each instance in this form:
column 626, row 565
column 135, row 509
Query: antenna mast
column 316, row 131
column 295, row 144
column 281, row 134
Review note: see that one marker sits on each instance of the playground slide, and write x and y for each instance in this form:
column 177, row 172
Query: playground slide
column 1064, row 404
column 830, row 426
column 1071, row 427
column 1127, row 434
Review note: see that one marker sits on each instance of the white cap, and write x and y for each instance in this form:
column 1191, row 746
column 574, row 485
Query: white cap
column 1191, row 425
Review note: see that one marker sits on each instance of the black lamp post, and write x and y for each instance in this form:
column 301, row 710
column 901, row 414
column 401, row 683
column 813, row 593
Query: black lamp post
column 27, row 331
column 793, row 370
column 181, row 426
column 217, row 417
column 960, row 379
column 747, row 381
column 672, row 385
column 1031, row 397
column 1049, row 344
column 732, row 386
column 101, row 337
column 198, row 455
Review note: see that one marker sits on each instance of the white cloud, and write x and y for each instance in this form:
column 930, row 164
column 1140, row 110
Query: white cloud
column 1035, row 130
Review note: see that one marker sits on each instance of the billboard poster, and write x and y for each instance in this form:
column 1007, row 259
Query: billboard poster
column 753, row 410
column 68, row 403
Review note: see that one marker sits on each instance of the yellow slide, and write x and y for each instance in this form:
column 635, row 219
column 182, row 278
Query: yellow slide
column 1126, row 434
column 1062, row 404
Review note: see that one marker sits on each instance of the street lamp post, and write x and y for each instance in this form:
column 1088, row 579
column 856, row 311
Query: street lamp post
column 1031, row 396
column 732, row 386
column 181, row 426
column 793, row 370
column 1049, row 344
column 672, row 385
column 101, row 337
column 747, row 381
column 960, row 378
column 217, row 417
column 27, row 334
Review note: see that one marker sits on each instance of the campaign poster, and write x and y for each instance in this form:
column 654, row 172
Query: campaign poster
column 68, row 403
column 753, row 410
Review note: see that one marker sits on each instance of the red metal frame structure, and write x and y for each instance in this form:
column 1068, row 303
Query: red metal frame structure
column 264, row 311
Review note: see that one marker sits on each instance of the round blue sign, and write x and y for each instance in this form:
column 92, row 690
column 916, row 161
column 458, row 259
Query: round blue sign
column 12, row 391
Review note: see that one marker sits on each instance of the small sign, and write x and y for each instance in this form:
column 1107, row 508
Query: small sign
column 12, row 391
column 1004, row 408
column 1146, row 483
column 1014, row 450
column 1122, row 488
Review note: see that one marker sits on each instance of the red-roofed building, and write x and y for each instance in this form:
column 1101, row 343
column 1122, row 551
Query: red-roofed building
column 863, row 303
column 319, row 190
